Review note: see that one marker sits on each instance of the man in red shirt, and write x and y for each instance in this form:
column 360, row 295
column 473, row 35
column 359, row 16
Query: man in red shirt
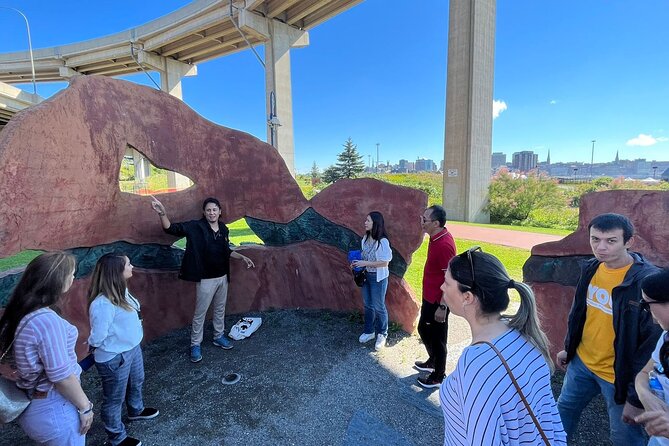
column 433, row 334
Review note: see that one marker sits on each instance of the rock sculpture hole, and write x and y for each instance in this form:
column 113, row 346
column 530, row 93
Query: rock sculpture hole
column 138, row 176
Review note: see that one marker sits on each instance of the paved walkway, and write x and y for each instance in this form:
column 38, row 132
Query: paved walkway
column 506, row 237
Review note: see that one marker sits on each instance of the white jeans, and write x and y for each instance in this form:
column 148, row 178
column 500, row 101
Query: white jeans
column 207, row 290
column 52, row 421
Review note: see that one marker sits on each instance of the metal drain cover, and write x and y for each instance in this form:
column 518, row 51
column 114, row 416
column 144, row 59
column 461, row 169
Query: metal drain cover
column 231, row 378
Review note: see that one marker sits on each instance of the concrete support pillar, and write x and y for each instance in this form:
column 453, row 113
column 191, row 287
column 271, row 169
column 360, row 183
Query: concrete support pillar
column 171, row 72
column 278, row 88
column 279, row 38
column 468, row 139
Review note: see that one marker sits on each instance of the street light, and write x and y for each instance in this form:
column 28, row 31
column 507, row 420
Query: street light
column 30, row 44
column 273, row 120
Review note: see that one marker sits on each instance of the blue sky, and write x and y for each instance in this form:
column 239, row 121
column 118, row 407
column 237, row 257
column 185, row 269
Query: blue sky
column 566, row 73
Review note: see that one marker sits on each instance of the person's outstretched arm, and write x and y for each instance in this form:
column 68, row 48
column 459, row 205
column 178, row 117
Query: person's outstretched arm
column 160, row 210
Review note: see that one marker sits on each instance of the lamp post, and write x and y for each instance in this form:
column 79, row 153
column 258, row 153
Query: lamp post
column 273, row 121
column 30, row 44
column 592, row 157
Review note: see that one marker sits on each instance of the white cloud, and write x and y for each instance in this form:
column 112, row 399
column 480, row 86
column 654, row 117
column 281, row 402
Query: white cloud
column 553, row 101
column 497, row 108
column 644, row 140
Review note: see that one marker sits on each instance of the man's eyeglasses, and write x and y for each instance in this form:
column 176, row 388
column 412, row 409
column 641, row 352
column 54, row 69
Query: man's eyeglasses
column 425, row 220
column 645, row 304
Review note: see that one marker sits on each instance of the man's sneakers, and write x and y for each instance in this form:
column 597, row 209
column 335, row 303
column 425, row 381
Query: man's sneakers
column 424, row 366
column 195, row 353
column 223, row 342
column 366, row 337
column 146, row 414
column 380, row 342
column 431, row 381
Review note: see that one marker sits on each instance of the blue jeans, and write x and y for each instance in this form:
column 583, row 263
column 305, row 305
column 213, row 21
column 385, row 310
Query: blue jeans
column 374, row 300
column 52, row 421
column 579, row 387
column 122, row 379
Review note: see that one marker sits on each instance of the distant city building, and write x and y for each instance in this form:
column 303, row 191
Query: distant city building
column 498, row 159
column 525, row 161
column 425, row 165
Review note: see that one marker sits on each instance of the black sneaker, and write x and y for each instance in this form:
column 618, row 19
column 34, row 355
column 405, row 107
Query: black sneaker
column 129, row 441
column 431, row 381
column 146, row 414
column 424, row 366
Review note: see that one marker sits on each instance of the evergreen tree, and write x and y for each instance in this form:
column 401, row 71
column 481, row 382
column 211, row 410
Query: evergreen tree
column 315, row 172
column 349, row 162
column 331, row 174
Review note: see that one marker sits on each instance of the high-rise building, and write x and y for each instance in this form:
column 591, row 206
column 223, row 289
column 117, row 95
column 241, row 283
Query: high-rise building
column 425, row 165
column 525, row 161
column 498, row 159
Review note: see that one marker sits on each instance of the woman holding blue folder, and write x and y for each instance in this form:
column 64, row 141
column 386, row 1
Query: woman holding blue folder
column 376, row 255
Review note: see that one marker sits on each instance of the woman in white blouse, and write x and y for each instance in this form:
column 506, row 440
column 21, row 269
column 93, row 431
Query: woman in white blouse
column 376, row 255
column 116, row 332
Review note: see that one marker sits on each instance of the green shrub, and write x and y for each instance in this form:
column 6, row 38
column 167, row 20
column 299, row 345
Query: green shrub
column 513, row 198
column 564, row 218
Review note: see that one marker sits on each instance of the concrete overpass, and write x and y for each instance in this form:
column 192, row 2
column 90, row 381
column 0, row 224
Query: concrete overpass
column 205, row 29
column 173, row 44
column 13, row 100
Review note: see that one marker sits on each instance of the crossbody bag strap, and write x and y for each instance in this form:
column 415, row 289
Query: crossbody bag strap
column 518, row 389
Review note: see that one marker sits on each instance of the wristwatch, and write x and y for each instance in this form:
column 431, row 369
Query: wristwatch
column 442, row 306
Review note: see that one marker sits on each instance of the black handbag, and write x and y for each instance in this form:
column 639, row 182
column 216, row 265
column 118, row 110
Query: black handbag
column 360, row 277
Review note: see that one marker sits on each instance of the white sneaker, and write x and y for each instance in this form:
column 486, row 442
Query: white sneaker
column 366, row 337
column 380, row 342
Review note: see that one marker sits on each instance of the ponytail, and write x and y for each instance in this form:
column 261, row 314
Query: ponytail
column 526, row 321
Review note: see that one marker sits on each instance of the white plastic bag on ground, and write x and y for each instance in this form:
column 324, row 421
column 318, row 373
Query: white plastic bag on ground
column 245, row 328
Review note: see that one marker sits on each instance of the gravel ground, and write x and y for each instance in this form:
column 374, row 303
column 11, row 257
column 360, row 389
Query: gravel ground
column 305, row 380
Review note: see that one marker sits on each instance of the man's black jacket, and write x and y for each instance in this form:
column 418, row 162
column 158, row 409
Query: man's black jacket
column 635, row 332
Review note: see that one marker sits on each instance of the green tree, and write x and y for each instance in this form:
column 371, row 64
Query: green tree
column 349, row 162
column 331, row 174
column 512, row 199
column 315, row 172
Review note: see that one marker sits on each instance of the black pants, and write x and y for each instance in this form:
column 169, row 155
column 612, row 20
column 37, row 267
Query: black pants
column 433, row 334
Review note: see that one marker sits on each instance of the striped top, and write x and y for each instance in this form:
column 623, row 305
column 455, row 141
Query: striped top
column 46, row 344
column 481, row 405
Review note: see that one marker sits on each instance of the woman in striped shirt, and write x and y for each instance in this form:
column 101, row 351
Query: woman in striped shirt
column 60, row 413
column 480, row 403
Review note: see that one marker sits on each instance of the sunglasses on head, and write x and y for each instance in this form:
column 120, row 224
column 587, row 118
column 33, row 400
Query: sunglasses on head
column 470, row 257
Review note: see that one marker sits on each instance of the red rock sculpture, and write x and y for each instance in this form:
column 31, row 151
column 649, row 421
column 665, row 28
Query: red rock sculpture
column 59, row 168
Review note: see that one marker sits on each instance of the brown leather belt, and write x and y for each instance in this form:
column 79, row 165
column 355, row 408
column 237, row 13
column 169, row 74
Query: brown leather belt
column 39, row 395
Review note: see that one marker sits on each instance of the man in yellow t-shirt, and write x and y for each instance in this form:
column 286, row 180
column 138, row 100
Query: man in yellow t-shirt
column 609, row 339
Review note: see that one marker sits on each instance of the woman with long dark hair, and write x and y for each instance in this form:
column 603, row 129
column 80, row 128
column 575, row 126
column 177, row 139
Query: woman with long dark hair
column 655, row 298
column 480, row 402
column 376, row 255
column 43, row 343
column 116, row 333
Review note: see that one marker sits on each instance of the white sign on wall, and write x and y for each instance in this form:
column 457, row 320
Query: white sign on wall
column 452, row 172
